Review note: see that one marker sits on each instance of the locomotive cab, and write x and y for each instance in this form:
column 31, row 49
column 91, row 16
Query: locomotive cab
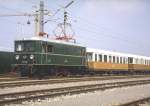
column 25, row 56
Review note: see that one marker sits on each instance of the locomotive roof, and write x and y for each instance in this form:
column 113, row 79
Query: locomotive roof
column 50, row 40
column 99, row 51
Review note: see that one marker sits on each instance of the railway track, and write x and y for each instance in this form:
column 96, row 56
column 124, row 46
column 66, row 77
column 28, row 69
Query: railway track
column 18, row 97
column 137, row 102
column 62, row 80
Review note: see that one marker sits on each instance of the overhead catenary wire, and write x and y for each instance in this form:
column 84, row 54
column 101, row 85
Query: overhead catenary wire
column 99, row 35
column 95, row 31
column 99, row 27
column 11, row 9
column 96, row 38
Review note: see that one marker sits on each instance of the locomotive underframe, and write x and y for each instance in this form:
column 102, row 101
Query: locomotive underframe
column 49, row 70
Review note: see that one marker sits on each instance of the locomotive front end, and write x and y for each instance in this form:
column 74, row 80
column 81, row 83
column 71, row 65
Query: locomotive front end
column 25, row 56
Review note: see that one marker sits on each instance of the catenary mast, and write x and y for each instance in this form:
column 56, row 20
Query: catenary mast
column 39, row 21
column 39, row 18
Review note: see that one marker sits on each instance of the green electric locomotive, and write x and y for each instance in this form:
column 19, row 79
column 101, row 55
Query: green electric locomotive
column 42, row 56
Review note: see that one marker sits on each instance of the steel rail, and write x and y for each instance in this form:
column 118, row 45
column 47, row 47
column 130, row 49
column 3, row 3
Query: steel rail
column 136, row 102
column 62, row 80
column 18, row 97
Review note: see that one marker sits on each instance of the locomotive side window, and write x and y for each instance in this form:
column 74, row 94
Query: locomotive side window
column 44, row 48
column 49, row 48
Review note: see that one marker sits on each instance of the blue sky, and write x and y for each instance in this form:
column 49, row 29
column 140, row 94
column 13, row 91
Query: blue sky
column 114, row 25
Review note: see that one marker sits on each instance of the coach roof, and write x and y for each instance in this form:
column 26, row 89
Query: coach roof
column 99, row 51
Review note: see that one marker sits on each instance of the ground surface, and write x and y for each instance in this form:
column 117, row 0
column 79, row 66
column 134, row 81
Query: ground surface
column 97, row 98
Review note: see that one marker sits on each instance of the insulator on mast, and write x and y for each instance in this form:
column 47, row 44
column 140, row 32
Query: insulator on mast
column 64, row 30
column 28, row 22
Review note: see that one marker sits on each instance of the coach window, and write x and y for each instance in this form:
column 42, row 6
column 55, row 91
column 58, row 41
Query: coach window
column 124, row 61
column 121, row 60
column 105, row 58
column 117, row 59
column 95, row 57
column 130, row 59
column 114, row 59
column 110, row 59
column 100, row 57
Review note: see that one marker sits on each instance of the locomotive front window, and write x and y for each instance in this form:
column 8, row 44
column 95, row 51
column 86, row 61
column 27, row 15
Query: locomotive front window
column 24, row 47
column 28, row 47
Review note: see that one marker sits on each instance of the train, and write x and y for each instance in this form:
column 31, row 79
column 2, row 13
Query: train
column 6, row 60
column 38, row 56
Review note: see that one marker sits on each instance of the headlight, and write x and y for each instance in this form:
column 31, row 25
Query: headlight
column 31, row 56
column 17, row 57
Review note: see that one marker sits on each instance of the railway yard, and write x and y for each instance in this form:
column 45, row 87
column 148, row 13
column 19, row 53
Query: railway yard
column 76, row 91
column 57, row 70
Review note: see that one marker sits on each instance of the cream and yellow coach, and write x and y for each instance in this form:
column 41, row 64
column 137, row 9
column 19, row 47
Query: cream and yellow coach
column 108, row 62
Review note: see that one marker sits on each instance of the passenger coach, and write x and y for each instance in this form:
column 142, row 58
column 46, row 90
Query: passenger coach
column 106, row 62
